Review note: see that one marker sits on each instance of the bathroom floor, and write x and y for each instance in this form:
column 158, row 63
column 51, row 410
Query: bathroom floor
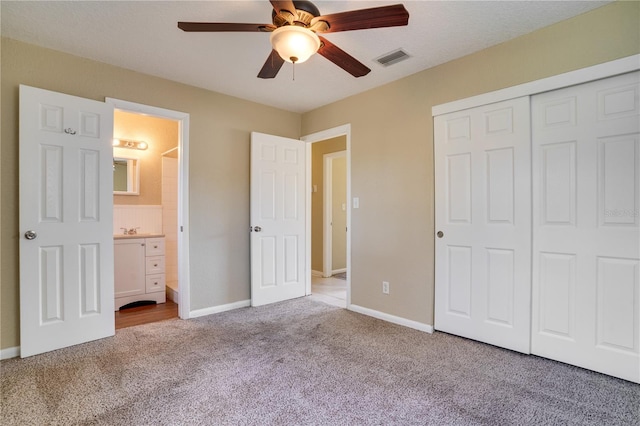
column 146, row 314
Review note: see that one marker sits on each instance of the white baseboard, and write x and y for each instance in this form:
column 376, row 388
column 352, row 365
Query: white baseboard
column 220, row 308
column 10, row 352
column 391, row 318
column 338, row 271
column 316, row 273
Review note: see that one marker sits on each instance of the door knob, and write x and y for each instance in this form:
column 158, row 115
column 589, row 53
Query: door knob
column 440, row 234
column 257, row 229
column 30, row 235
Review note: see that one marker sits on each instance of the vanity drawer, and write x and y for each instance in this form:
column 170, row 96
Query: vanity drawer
column 155, row 283
column 154, row 246
column 155, row 265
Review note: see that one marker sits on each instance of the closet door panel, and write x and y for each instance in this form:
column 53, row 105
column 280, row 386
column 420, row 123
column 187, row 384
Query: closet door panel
column 483, row 206
column 586, row 236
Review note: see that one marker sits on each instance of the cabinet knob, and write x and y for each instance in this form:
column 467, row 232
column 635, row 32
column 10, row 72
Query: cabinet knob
column 155, row 246
column 155, row 265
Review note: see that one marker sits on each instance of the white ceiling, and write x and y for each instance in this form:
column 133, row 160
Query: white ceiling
column 143, row 36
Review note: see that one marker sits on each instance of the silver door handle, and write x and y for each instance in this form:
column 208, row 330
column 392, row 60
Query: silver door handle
column 30, row 235
column 257, row 229
column 440, row 234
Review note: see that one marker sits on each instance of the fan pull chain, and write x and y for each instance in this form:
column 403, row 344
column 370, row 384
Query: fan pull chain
column 294, row 71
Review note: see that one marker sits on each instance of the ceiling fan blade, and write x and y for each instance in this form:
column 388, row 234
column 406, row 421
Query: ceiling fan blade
column 224, row 27
column 342, row 58
column 284, row 5
column 271, row 66
column 376, row 17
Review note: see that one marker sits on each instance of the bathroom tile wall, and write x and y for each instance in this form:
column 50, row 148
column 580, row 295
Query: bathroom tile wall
column 148, row 218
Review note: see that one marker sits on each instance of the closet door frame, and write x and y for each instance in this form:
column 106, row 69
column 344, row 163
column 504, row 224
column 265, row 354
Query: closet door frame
column 571, row 78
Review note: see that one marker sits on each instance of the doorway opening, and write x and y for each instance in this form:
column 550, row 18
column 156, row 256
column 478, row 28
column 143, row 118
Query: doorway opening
column 328, row 216
column 158, row 211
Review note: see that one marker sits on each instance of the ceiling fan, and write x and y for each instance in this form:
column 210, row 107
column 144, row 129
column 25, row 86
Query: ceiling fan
column 294, row 28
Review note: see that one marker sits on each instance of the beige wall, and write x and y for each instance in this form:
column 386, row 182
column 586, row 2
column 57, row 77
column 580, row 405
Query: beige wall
column 339, row 216
column 392, row 147
column 161, row 135
column 220, row 129
column 318, row 149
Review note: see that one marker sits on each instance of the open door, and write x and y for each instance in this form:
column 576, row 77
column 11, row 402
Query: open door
column 66, row 221
column 278, row 203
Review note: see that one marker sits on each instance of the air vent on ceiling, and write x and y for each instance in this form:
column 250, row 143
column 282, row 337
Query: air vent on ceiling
column 392, row 57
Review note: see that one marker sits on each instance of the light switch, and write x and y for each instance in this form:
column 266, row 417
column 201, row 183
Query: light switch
column 356, row 202
column 344, row 207
column 315, row 188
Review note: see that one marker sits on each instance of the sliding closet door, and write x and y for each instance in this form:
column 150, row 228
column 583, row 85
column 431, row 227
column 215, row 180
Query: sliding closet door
column 586, row 200
column 483, row 223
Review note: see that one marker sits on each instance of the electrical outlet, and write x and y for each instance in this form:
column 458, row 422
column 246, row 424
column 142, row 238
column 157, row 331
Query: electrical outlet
column 385, row 287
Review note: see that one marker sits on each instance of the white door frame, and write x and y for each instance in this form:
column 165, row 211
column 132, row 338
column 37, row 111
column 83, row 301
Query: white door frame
column 327, row 243
column 344, row 130
column 184, row 301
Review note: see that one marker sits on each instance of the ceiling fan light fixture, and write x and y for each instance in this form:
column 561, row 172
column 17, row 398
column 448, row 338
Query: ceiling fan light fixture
column 294, row 44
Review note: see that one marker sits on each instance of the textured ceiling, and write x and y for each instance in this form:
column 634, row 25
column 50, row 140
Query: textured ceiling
column 143, row 36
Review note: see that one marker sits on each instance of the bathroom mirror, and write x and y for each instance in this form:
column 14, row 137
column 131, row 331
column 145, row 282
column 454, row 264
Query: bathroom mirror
column 126, row 176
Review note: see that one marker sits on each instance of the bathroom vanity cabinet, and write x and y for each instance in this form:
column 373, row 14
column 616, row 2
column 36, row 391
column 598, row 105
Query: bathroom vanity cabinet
column 139, row 269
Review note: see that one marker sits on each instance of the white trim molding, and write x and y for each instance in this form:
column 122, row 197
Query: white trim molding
column 571, row 78
column 10, row 352
column 391, row 318
column 220, row 308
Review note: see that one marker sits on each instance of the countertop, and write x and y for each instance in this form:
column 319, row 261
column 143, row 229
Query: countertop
column 125, row 237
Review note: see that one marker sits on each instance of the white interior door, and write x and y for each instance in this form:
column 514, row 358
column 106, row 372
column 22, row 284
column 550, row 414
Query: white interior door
column 66, row 203
column 483, row 223
column 586, row 200
column 277, row 219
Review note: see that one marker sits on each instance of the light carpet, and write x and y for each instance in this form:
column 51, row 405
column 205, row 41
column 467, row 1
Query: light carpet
column 303, row 362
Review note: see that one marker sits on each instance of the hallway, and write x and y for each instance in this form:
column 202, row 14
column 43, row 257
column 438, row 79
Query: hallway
column 329, row 290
